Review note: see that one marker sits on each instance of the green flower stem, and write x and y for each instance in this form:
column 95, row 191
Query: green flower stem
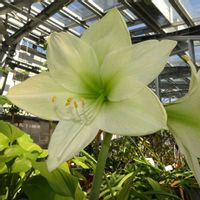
column 100, row 167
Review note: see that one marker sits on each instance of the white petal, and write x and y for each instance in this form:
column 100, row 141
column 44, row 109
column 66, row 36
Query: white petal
column 35, row 96
column 184, row 117
column 141, row 115
column 107, row 35
column 72, row 62
column 183, row 122
column 194, row 82
column 143, row 61
column 191, row 159
column 185, row 127
column 67, row 140
column 122, row 88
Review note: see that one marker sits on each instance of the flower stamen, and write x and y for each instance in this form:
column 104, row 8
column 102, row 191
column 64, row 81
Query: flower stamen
column 69, row 100
column 53, row 99
column 75, row 105
column 75, row 109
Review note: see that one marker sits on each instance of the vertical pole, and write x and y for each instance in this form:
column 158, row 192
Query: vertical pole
column 191, row 50
column 157, row 84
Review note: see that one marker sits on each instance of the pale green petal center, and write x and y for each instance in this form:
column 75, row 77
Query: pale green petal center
column 77, row 109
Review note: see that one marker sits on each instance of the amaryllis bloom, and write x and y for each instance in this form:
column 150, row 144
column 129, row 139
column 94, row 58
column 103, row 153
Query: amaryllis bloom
column 184, row 122
column 96, row 82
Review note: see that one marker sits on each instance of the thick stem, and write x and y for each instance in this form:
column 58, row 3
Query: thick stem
column 100, row 167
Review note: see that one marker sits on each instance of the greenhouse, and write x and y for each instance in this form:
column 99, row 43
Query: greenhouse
column 100, row 100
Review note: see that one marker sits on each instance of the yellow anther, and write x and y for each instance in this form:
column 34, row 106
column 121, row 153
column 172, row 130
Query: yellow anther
column 68, row 103
column 75, row 104
column 82, row 102
column 53, row 99
column 69, row 100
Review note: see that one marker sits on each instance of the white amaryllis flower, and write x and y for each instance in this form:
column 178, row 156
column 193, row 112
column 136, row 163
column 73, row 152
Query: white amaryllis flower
column 96, row 82
column 184, row 122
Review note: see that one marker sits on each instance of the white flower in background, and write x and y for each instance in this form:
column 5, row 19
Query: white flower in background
column 184, row 122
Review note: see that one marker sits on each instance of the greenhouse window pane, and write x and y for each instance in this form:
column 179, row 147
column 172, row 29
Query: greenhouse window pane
column 197, row 55
column 37, row 7
column 105, row 5
column 80, row 10
column 61, row 19
column 167, row 10
column 176, row 61
column 90, row 22
column 40, row 50
column 78, row 29
column 130, row 14
column 136, row 27
column 27, row 43
column 192, row 6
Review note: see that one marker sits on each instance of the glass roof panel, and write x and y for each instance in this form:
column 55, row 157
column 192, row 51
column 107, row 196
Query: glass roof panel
column 105, row 5
column 80, row 10
column 192, row 6
column 78, row 29
column 130, row 14
column 167, row 10
column 136, row 27
column 197, row 54
column 37, row 7
column 62, row 20
column 90, row 22
column 175, row 60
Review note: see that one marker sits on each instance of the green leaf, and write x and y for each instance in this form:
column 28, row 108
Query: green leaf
column 80, row 161
column 60, row 181
column 125, row 192
column 26, row 143
column 10, row 131
column 79, row 195
column 37, row 188
column 14, row 151
column 4, row 158
column 154, row 184
column 3, row 168
column 43, row 154
column 17, row 151
column 21, row 165
column 65, row 167
column 162, row 193
column 4, row 141
column 4, row 100
column 140, row 195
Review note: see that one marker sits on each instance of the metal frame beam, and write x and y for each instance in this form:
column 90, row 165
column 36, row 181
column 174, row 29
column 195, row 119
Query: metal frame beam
column 44, row 15
column 175, row 72
column 17, row 64
column 177, row 94
column 95, row 10
column 182, row 12
column 42, row 22
column 190, row 33
column 138, row 9
column 191, row 50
